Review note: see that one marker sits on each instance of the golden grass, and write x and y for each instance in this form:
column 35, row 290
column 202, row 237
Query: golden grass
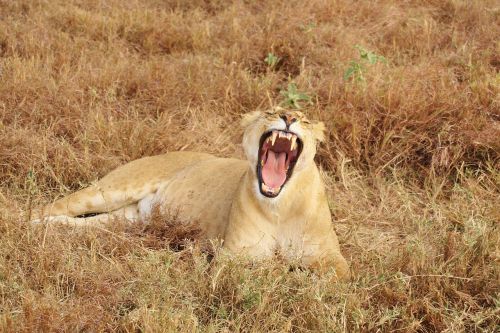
column 411, row 160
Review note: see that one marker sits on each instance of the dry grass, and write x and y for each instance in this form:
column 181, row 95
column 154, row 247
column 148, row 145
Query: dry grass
column 411, row 160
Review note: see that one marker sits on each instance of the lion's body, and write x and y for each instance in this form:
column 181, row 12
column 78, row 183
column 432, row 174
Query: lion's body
column 220, row 195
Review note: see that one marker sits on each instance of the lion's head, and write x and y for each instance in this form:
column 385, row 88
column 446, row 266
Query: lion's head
column 279, row 143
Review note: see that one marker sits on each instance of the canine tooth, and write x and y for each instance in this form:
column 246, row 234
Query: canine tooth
column 294, row 143
column 273, row 139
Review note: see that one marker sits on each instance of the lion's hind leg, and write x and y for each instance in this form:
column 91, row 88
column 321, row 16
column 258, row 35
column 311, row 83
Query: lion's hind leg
column 128, row 213
column 86, row 201
column 96, row 199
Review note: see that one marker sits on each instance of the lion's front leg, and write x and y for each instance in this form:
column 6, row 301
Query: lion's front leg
column 322, row 264
column 322, row 252
column 249, row 241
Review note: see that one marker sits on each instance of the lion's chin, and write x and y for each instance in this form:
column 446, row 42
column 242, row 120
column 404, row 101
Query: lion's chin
column 278, row 153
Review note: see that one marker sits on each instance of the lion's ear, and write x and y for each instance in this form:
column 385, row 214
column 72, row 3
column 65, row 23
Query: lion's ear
column 249, row 118
column 319, row 131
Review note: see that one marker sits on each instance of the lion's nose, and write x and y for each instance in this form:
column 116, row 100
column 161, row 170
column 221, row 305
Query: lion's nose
column 288, row 119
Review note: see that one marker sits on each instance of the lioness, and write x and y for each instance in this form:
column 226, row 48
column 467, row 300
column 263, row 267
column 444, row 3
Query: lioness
column 275, row 200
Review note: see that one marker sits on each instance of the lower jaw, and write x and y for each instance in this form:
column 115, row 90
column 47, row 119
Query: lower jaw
column 271, row 193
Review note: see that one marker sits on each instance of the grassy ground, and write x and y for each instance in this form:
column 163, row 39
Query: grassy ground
column 411, row 159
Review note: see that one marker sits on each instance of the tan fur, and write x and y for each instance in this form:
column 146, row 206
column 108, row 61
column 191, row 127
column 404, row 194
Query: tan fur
column 222, row 195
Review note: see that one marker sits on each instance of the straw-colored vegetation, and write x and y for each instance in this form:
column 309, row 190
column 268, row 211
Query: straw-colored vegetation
column 409, row 91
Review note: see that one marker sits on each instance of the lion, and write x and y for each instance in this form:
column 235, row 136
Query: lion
column 273, row 201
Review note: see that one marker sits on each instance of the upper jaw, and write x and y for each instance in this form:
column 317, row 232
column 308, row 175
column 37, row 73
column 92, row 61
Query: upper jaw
column 283, row 148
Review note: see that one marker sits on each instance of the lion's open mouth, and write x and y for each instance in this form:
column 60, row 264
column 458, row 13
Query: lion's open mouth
column 278, row 153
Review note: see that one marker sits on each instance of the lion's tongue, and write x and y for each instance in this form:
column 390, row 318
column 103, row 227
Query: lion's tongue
column 274, row 170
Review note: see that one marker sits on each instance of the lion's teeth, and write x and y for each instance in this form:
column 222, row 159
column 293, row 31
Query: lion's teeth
column 273, row 139
column 268, row 189
column 294, row 143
